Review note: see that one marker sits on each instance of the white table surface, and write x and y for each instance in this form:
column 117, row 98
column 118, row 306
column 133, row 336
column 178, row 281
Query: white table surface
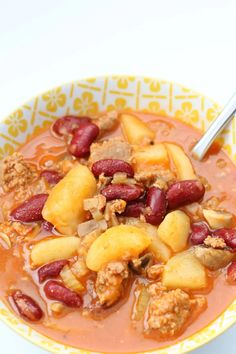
column 48, row 42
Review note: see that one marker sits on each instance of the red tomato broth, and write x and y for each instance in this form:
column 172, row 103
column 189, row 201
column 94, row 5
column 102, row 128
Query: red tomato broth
column 116, row 332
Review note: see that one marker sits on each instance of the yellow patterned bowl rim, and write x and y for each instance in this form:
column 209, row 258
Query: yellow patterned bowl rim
column 89, row 96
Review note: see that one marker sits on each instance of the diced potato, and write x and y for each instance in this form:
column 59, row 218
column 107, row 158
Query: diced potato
column 158, row 248
column 122, row 242
column 64, row 206
column 135, row 130
column 181, row 161
column 174, row 230
column 184, row 271
column 151, row 230
column 70, row 281
column 53, row 249
column 151, row 155
column 217, row 218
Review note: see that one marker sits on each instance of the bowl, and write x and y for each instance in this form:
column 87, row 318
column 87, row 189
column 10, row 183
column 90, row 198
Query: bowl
column 107, row 93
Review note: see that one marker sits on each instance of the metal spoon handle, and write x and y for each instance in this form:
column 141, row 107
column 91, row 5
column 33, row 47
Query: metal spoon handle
column 215, row 128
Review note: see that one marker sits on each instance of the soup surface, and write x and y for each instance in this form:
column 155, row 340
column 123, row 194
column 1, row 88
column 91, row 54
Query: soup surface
column 117, row 256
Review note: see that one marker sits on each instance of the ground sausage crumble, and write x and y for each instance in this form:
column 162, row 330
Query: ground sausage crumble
column 168, row 311
column 16, row 173
column 109, row 282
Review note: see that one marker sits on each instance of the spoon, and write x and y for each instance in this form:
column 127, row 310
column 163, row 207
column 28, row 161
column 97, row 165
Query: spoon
column 215, row 129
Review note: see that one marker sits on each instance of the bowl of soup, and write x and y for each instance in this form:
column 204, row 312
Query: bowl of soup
column 113, row 238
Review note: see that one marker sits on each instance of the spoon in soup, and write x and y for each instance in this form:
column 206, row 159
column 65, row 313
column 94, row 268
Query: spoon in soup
column 215, row 129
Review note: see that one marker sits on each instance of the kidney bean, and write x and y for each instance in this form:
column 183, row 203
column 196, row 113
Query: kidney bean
column 51, row 270
column 26, row 306
column 57, row 291
column 82, row 139
column 229, row 235
column 184, row 192
column 231, row 273
column 126, row 192
column 134, row 209
column 157, row 203
column 47, row 226
column 68, row 124
column 52, row 177
column 31, row 209
column 200, row 231
column 110, row 166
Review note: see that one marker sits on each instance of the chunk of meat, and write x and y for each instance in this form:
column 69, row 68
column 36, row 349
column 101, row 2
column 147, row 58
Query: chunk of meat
column 17, row 173
column 110, row 149
column 154, row 272
column 215, row 242
column 156, row 289
column 109, row 282
column 113, row 207
column 212, row 258
column 79, row 267
column 106, row 121
column 15, row 231
column 169, row 311
column 117, row 206
column 103, row 181
column 159, row 178
column 22, row 229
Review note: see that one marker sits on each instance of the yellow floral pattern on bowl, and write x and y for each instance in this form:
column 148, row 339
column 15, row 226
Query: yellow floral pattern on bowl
column 106, row 93
column 54, row 98
column 16, row 123
column 85, row 104
column 187, row 113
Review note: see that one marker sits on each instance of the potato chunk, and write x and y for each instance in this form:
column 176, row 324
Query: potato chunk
column 53, row 249
column 174, row 230
column 64, row 206
column 151, row 155
column 217, row 218
column 135, row 130
column 118, row 243
column 181, row 161
column 158, row 248
column 184, row 271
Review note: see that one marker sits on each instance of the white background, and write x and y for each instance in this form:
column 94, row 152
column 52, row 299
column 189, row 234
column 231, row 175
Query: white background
column 46, row 43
